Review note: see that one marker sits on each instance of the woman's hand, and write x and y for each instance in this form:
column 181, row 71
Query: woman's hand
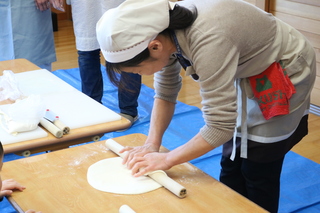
column 57, row 4
column 134, row 152
column 149, row 163
column 42, row 5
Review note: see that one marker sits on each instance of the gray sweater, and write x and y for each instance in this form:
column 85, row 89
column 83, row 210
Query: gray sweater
column 232, row 40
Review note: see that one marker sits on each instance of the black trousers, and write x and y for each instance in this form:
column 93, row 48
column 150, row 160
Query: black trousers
column 258, row 177
column 259, row 182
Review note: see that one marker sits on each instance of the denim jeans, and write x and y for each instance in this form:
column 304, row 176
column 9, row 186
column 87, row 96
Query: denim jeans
column 90, row 73
column 92, row 82
column 128, row 98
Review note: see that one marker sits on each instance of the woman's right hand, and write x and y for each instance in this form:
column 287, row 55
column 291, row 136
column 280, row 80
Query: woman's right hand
column 139, row 151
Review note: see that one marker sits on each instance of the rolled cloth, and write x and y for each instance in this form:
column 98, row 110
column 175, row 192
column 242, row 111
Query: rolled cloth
column 272, row 88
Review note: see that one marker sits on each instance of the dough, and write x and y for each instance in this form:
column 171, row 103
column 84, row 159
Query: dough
column 109, row 175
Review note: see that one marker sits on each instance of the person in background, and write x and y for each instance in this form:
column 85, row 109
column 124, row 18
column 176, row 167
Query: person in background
column 26, row 32
column 85, row 15
column 7, row 186
column 255, row 74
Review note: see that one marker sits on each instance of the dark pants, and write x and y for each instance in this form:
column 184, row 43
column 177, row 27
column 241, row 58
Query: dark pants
column 90, row 73
column 128, row 98
column 259, row 182
column 92, row 82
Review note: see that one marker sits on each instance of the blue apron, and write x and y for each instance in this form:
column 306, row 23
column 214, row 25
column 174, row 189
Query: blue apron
column 27, row 32
column 6, row 38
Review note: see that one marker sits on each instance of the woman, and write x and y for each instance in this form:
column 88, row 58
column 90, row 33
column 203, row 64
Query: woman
column 237, row 53
column 26, row 32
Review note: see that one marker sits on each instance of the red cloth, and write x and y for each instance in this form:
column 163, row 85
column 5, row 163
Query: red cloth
column 272, row 88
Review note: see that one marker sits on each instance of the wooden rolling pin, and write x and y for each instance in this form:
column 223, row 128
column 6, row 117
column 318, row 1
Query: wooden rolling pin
column 65, row 129
column 51, row 128
column 159, row 176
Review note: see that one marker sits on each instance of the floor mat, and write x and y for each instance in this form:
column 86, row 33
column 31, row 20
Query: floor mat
column 300, row 182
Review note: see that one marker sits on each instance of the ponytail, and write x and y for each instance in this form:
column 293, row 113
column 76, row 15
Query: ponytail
column 181, row 17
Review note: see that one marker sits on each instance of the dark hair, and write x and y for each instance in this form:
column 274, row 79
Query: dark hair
column 180, row 18
column 1, row 150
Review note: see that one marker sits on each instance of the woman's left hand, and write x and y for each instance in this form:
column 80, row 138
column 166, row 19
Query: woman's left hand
column 148, row 163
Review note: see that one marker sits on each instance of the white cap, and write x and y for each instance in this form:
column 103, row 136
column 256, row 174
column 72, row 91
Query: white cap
column 125, row 31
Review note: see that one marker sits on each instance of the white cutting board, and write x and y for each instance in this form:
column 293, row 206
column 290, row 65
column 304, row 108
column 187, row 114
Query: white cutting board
column 74, row 108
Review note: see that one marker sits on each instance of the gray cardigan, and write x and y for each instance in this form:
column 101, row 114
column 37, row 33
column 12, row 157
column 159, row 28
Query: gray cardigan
column 232, row 40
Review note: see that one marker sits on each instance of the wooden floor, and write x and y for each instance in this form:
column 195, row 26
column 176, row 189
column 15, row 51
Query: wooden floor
column 67, row 55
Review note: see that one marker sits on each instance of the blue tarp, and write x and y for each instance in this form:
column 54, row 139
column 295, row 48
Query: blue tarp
column 300, row 181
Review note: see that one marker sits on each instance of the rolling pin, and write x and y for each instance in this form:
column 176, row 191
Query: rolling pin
column 53, row 118
column 51, row 128
column 65, row 129
column 158, row 176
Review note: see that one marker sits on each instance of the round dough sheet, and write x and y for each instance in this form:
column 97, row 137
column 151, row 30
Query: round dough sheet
column 110, row 175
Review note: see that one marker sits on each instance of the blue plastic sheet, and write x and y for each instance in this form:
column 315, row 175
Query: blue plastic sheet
column 300, row 182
